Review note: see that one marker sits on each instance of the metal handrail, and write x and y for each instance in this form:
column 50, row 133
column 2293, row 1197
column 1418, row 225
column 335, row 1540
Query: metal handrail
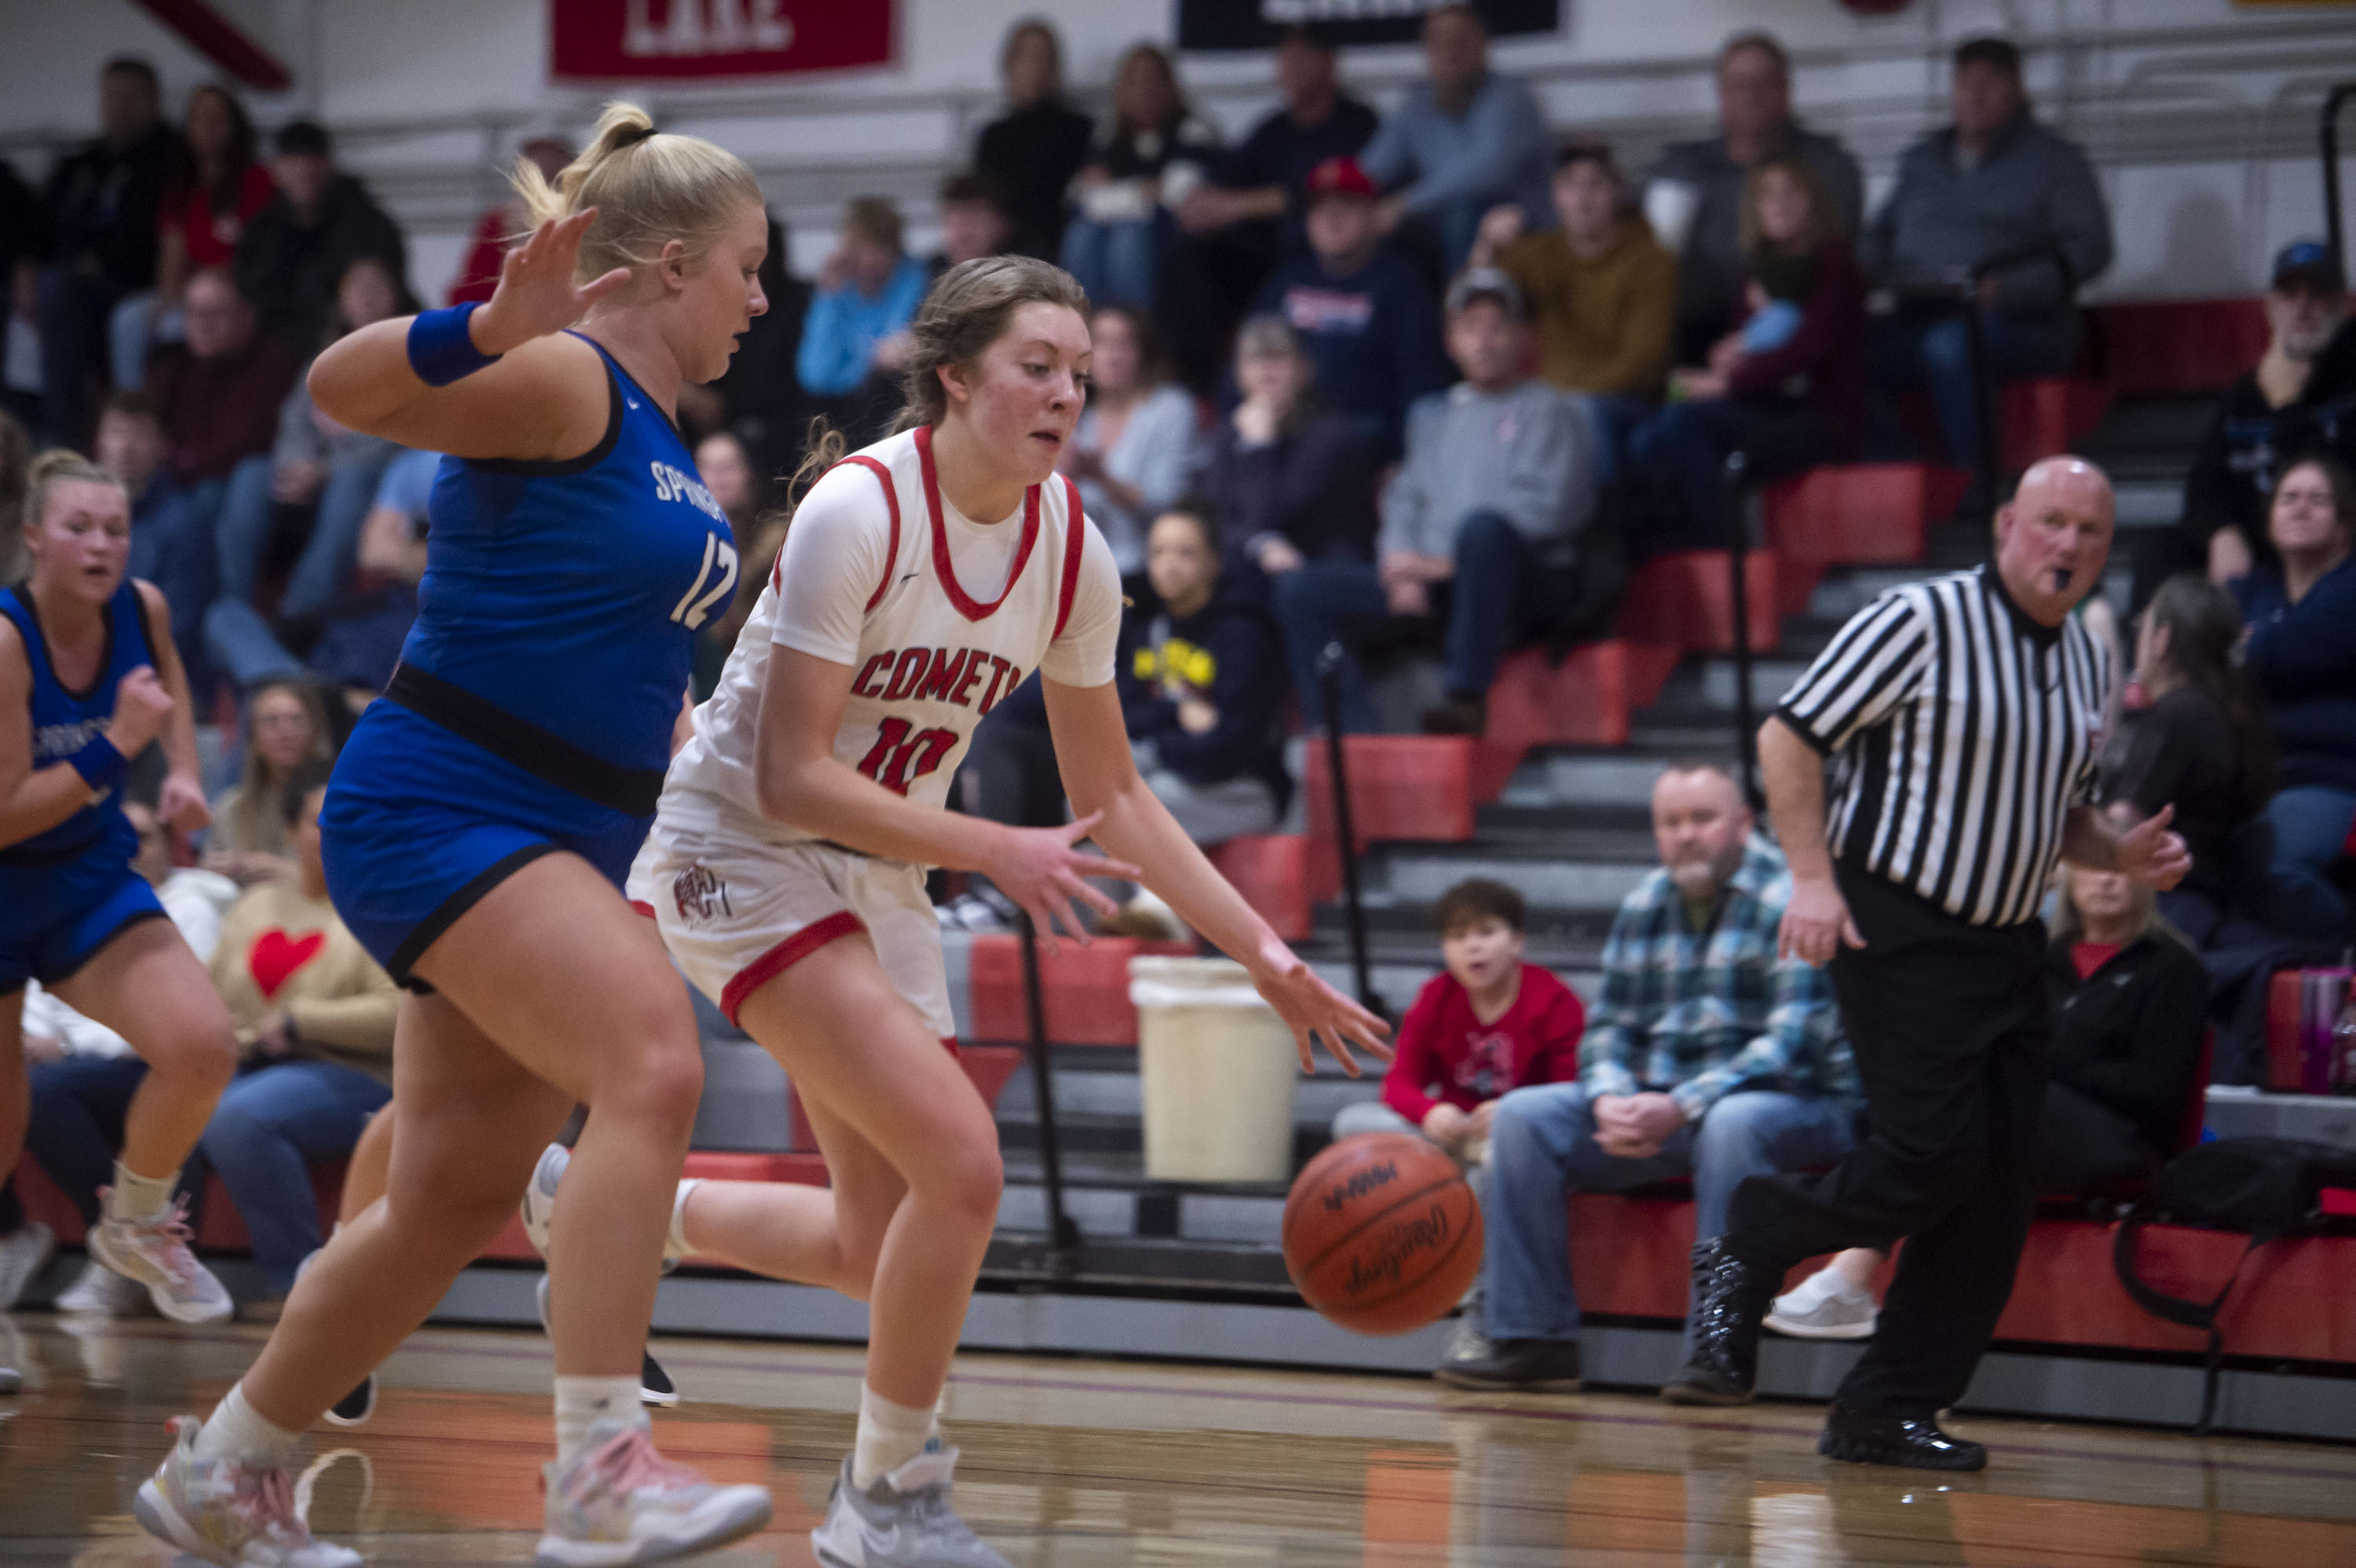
column 1329, row 688
column 2332, row 103
column 1063, row 1235
column 1737, row 539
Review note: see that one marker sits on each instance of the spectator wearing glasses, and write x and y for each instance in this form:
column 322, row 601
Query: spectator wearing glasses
column 1462, row 140
column 1697, row 187
column 2300, row 397
column 1993, row 183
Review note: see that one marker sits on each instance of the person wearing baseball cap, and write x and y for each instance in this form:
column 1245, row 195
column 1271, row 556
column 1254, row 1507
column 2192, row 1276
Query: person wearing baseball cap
column 1484, row 527
column 1364, row 312
column 2300, row 397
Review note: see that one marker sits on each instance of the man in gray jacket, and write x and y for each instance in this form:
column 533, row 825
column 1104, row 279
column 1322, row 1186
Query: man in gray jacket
column 1481, row 527
column 1703, row 182
column 1995, row 183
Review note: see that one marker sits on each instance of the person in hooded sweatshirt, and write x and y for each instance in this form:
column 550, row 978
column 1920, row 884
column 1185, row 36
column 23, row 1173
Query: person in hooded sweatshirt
column 1202, row 687
column 293, row 252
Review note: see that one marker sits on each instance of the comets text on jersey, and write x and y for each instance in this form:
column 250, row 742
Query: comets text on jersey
column 968, row 678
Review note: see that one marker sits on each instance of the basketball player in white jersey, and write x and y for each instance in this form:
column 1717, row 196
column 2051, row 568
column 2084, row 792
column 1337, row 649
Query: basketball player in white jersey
column 923, row 579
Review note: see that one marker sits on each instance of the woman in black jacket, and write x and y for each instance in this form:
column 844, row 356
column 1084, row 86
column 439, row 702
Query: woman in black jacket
column 1287, row 481
column 2128, row 1021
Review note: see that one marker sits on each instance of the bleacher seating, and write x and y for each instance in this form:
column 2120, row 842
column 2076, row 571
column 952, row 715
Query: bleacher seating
column 1854, row 513
column 1271, row 871
column 2146, row 348
column 1084, row 991
column 1686, row 599
column 1584, row 700
column 2045, row 416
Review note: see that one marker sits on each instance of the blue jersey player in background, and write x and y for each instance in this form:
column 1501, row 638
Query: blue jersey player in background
column 89, row 679
column 480, row 821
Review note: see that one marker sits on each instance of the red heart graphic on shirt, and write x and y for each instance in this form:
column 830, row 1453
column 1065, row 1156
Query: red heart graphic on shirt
column 274, row 955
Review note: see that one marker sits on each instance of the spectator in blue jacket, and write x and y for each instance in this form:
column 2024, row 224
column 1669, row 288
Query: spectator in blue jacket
column 1462, row 141
column 2301, row 652
column 1990, row 186
column 867, row 294
column 1202, row 688
column 1363, row 312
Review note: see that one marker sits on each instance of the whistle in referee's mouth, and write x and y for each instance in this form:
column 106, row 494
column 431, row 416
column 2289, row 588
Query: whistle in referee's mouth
column 2061, row 576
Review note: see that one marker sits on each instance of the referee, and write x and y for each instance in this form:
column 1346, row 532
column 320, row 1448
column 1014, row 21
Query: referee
column 1960, row 716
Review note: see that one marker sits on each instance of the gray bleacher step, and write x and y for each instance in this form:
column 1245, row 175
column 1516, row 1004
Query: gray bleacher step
column 1553, row 884
column 1583, row 778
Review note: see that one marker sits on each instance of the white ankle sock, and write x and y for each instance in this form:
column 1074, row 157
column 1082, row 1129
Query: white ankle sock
column 234, row 1431
column 581, row 1402
column 889, row 1436
column 677, row 1245
column 136, row 1198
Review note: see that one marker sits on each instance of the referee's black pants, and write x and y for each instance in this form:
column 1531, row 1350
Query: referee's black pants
column 1950, row 1023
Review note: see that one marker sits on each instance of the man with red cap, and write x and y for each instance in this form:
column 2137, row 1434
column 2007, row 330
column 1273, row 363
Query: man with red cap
column 1364, row 312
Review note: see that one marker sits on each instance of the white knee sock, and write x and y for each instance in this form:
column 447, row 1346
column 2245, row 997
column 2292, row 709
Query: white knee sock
column 581, row 1402
column 889, row 1436
column 136, row 1198
column 234, row 1431
column 677, row 1246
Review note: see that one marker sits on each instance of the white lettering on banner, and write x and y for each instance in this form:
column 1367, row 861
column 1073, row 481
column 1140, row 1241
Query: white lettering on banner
column 1287, row 13
column 706, row 27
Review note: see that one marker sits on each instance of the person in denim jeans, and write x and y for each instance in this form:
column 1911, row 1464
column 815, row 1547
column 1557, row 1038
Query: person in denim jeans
column 1704, row 1057
column 314, row 1016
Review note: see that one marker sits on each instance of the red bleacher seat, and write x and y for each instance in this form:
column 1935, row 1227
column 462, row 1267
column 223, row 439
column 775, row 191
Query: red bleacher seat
column 2297, row 1299
column 1271, row 871
column 1861, row 514
column 1585, row 701
column 1401, row 787
column 1084, row 990
column 2169, row 347
column 2044, row 416
column 1686, row 600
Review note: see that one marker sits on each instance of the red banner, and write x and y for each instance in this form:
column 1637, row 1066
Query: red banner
column 607, row 40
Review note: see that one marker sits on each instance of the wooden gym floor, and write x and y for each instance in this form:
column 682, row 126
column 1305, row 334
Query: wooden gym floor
column 1075, row 1463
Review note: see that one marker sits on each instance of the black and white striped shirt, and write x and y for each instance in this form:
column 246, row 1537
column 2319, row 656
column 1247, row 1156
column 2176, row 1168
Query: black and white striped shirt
column 1962, row 732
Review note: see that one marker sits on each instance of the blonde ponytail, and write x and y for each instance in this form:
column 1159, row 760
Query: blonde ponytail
column 648, row 187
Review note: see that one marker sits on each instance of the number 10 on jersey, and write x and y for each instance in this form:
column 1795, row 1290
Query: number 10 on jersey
column 898, row 758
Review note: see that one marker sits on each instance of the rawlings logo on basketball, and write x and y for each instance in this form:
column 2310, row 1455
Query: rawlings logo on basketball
column 1361, row 1182
column 697, row 894
column 1385, row 1262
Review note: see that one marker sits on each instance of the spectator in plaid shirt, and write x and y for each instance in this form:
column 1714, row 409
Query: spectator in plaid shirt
column 1703, row 1058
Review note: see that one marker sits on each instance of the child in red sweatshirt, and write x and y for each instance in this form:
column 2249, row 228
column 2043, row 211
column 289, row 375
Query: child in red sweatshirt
column 1489, row 1024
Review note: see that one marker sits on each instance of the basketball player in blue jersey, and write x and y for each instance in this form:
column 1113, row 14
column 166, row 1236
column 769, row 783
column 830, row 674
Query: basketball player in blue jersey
column 479, row 823
column 87, row 678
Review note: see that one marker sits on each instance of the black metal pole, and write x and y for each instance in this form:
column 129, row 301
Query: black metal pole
column 1983, row 398
column 2332, row 219
column 1738, row 551
column 1329, row 688
column 1063, row 1236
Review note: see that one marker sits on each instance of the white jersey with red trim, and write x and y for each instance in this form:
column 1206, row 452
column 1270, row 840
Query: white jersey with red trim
column 938, row 617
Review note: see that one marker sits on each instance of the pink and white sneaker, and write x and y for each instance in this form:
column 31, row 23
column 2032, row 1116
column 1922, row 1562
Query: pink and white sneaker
column 230, row 1513
column 617, row 1501
column 154, row 1253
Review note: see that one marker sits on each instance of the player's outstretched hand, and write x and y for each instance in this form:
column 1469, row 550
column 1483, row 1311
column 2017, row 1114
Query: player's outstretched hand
column 537, row 294
column 2150, row 854
column 1816, row 924
column 1315, row 1011
column 1043, row 873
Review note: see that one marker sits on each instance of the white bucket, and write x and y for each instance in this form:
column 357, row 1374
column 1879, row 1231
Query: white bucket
column 1217, row 1067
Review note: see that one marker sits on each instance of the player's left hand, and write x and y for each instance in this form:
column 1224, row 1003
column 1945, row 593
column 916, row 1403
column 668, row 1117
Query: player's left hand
column 1314, row 1010
column 182, row 803
column 2150, row 854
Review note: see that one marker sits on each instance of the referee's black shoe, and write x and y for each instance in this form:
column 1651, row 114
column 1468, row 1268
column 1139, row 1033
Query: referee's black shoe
column 1858, row 1438
column 1730, row 1297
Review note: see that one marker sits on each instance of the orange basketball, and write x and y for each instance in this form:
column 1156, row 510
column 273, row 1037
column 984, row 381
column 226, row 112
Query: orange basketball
column 1381, row 1234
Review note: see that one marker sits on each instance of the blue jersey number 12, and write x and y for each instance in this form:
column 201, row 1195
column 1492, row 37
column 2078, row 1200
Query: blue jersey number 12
column 695, row 605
